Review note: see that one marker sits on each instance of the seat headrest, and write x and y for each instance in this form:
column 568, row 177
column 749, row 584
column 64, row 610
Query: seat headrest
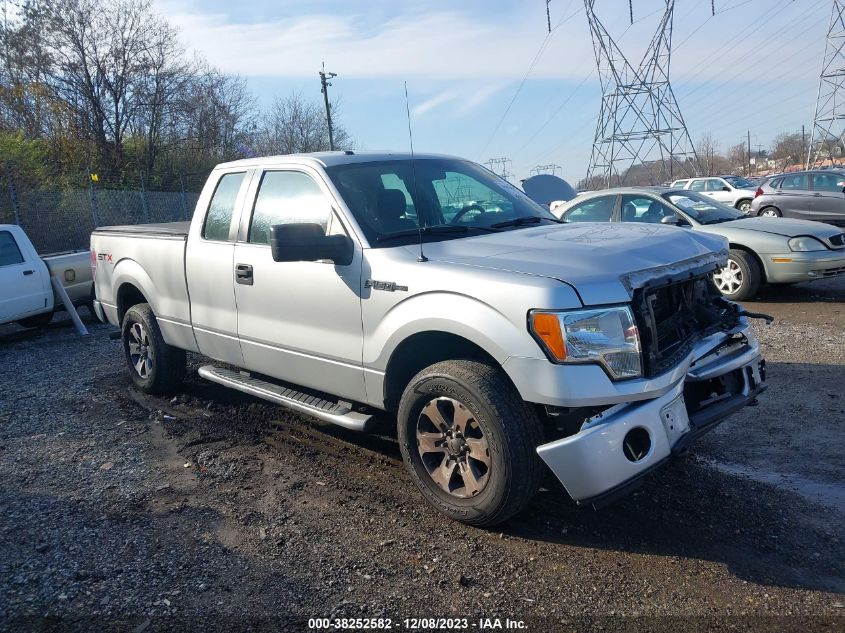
column 391, row 204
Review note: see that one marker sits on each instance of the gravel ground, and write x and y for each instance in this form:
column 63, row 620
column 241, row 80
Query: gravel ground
column 213, row 510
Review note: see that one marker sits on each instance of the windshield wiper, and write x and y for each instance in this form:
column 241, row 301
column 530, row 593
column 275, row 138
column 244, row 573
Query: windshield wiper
column 437, row 229
column 528, row 219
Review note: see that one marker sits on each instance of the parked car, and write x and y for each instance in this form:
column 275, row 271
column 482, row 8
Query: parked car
column 810, row 195
column 733, row 191
column 762, row 250
column 26, row 294
column 500, row 338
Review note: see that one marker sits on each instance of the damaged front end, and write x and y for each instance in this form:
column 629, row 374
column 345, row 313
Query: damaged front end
column 684, row 324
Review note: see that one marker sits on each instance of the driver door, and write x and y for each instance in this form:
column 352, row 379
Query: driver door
column 297, row 321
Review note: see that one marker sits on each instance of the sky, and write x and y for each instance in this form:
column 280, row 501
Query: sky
column 486, row 80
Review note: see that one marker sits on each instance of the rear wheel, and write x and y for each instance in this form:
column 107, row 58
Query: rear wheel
column 740, row 279
column 469, row 441
column 155, row 366
column 744, row 206
column 769, row 212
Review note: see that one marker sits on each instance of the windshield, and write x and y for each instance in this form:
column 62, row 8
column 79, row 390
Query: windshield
column 702, row 209
column 738, row 183
column 392, row 199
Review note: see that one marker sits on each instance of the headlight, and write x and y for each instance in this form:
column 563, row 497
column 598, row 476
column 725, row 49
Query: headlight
column 607, row 336
column 806, row 243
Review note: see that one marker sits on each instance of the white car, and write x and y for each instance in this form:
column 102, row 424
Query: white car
column 26, row 293
column 735, row 191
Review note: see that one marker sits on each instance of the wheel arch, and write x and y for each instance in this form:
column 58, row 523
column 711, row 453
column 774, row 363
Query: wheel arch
column 764, row 273
column 422, row 349
column 128, row 294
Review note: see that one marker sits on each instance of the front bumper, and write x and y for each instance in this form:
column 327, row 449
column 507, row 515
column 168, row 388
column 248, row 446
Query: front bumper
column 794, row 267
column 610, row 454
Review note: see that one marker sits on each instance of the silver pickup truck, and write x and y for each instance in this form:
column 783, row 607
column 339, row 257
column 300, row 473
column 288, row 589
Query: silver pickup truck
column 342, row 283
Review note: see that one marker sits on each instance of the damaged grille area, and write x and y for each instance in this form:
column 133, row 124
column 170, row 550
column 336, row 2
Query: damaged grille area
column 671, row 318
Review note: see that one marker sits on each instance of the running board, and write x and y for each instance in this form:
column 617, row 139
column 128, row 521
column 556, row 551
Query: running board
column 338, row 413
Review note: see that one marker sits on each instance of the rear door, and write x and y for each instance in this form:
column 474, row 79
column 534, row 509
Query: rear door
column 24, row 287
column 794, row 198
column 716, row 189
column 209, row 266
column 828, row 202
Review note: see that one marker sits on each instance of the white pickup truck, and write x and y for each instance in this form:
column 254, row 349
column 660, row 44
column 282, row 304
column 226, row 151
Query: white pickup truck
column 26, row 294
column 340, row 284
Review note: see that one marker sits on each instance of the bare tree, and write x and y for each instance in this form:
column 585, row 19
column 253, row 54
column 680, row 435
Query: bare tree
column 788, row 149
column 707, row 150
column 293, row 125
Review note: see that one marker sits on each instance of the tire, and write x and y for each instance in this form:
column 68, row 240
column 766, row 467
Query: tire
column 155, row 366
column 769, row 212
column 489, row 446
column 744, row 206
column 39, row 320
column 741, row 278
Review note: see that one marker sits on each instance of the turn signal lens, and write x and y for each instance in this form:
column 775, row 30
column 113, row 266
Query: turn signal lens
column 547, row 328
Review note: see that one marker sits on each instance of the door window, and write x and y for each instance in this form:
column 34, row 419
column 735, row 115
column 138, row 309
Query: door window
column 698, row 185
column 10, row 254
column 644, row 209
column 828, row 182
column 287, row 197
column 797, row 181
column 222, row 207
column 715, row 184
column 595, row 210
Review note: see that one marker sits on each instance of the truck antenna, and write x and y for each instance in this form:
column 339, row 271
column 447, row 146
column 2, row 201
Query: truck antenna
column 422, row 257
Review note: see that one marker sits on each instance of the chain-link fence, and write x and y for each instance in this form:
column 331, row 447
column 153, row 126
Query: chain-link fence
column 62, row 220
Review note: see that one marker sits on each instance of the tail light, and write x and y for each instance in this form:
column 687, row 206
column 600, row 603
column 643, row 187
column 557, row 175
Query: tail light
column 759, row 192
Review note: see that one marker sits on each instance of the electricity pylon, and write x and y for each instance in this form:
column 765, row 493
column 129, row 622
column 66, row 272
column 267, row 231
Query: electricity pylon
column 830, row 103
column 640, row 124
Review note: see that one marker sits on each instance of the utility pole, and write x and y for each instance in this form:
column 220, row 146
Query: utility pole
column 830, row 113
column 640, row 123
column 502, row 164
column 548, row 16
column 803, row 148
column 324, row 77
column 749, row 152
column 545, row 169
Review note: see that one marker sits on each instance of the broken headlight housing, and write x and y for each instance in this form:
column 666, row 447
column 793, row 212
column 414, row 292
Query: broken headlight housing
column 605, row 336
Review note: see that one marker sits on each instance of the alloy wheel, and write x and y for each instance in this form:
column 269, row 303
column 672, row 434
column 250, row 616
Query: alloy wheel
column 729, row 279
column 139, row 350
column 453, row 448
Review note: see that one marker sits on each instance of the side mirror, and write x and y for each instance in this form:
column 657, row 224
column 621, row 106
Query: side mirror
column 309, row 243
column 725, row 188
column 674, row 220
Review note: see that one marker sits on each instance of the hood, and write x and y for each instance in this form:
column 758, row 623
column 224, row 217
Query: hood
column 786, row 227
column 604, row 262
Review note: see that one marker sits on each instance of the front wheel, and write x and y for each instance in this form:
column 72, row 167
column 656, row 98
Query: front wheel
column 469, row 441
column 155, row 366
column 741, row 278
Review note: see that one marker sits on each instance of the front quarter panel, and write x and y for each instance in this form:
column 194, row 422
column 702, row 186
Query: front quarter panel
column 487, row 307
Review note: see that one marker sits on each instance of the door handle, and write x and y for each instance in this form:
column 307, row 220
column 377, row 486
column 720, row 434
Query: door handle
column 29, row 272
column 243, row 274
column 817, row 195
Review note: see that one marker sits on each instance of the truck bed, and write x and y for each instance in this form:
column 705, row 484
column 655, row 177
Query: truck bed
column 166, row 229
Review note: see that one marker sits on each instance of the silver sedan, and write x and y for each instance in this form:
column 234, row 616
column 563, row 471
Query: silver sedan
column 762, row 249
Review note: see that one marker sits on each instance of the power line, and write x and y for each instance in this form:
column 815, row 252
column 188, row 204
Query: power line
column 528, row 72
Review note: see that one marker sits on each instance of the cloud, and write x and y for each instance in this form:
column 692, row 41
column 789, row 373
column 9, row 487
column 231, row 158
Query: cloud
column 433, row 102
column 441, row 45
